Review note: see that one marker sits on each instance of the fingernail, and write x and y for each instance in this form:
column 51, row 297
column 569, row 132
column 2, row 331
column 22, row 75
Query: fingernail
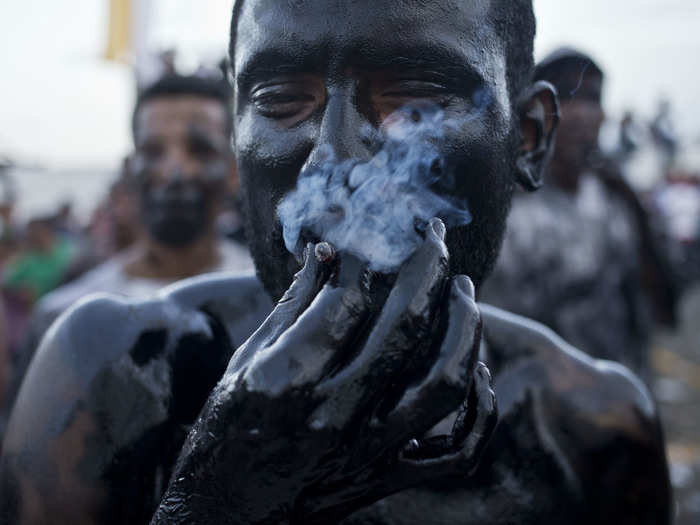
column 484, row 371
column 412, row 446
column 439, row 228
column 466, row 285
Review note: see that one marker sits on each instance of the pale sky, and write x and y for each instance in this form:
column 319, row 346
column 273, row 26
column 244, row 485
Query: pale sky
column 60, row 105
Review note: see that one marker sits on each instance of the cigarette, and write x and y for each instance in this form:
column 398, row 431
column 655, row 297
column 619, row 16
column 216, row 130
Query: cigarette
column 324, row 252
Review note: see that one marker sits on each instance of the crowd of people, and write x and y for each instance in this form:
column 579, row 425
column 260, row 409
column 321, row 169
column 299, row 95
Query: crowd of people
column 593, row 256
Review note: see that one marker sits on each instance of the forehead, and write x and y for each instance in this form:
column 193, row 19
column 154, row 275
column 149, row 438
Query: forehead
column 362, row 33
column 177, row 113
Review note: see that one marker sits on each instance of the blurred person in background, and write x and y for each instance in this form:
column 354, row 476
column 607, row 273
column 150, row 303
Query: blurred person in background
column 630, row 137
column 40, row 265
column 37, row 268
column 675, row 201
column 8, row 196
column 579, row 255
column 181, row 169
column 663, row 132
column 114, row 226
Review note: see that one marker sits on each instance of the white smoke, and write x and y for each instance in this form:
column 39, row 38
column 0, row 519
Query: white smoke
column 376, row 209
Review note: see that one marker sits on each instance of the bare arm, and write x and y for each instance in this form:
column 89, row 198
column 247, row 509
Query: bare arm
column 104, row 409
column 324, row 409
column 596, row 417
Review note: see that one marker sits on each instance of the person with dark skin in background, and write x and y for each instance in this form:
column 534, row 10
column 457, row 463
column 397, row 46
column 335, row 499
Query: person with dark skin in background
column 579, row 255
column 344, row 406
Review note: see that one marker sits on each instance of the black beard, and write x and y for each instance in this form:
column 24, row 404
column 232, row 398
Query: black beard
column 473, row 248
column 274, row 265
column 179, row 215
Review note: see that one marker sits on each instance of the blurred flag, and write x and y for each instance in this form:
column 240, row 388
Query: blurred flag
column 128, row 37
column 119, row 36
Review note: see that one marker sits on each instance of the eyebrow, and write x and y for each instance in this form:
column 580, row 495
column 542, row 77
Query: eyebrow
column 275, row 61
column 430, row 56
column 426, row 56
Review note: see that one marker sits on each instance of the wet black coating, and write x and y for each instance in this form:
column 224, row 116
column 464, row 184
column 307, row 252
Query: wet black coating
column 312, row 414
column 571, row 430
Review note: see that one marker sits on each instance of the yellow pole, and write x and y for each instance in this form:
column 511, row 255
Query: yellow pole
column 119, row 36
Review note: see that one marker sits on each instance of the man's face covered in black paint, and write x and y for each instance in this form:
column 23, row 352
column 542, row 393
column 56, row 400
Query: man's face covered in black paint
column 181, row 166
column 315, row 73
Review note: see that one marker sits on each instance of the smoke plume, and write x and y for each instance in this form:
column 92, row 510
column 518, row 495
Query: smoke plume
column 376, row 209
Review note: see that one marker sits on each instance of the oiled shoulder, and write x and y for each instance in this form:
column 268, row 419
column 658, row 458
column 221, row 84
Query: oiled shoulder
column 110, row 391
column 527, row 354
column 104, row 331
column 239, row 302
column 596, row 418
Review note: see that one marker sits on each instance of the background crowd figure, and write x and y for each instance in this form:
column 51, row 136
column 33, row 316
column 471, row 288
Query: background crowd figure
column 612, row 242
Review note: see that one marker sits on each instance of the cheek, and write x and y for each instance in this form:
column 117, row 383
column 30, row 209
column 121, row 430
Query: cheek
column 270, row 157
column 478, row 153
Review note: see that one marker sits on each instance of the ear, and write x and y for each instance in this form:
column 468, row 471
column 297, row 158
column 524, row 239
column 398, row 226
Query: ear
column 539, row 118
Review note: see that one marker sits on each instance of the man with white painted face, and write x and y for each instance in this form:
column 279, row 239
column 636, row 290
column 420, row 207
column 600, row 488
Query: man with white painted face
column 359, row 398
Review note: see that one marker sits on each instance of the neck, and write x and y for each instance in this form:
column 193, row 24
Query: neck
column 564, row 177
column 159, row 261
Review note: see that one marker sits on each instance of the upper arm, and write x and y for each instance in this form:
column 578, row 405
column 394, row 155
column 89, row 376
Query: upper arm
column 49, row 428
column 98, row 419
column 106, row 404
column 625, row 470
column 597, row 417
column 607, row 426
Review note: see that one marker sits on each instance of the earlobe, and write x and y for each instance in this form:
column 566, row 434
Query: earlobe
column 539, row 117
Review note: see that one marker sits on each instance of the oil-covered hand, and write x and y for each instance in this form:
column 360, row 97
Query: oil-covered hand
column 323, row 410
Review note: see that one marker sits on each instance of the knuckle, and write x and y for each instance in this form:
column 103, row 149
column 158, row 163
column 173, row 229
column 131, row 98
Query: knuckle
column 353, row 302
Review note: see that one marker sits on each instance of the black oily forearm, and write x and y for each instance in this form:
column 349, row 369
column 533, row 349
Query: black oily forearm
column 200, row 493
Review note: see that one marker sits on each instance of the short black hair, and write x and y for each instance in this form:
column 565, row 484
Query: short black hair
column 566, row 69
column 175, row 85
column 514, row 21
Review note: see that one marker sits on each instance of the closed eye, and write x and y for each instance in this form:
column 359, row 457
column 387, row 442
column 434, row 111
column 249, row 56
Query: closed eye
column 291, row 99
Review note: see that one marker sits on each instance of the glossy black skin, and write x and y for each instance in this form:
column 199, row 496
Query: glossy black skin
column 99, row 422
column 311, row 424
column 305, row 82
column 578, row 440
column 357, row 382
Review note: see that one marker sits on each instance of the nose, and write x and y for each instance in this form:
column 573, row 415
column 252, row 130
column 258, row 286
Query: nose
column 178, row 166
column 343, row 130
